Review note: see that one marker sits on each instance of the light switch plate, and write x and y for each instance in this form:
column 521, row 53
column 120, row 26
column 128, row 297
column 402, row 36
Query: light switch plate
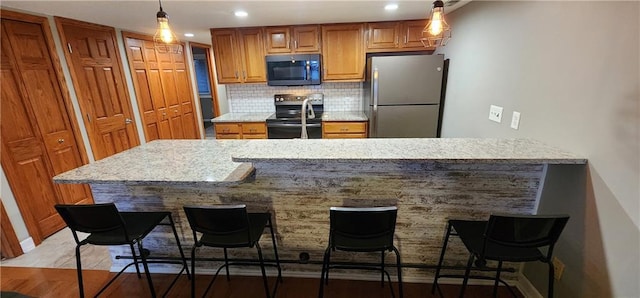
column 515, row 120
column 495, row 113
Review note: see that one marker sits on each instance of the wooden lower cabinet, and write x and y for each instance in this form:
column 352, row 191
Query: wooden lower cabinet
column 344, row 130
column 241, row 130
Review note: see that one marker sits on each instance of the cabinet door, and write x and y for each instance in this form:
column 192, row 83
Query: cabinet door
column 306, row 39
column 383, row 35
column 343, row 52
column 412, row 33
column 227, row 56
column 254, row 68
column 278, row 40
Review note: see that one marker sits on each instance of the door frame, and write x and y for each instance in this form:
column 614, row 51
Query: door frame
column 10, row 244
column 60, row 21
column 212, row 75
column 30, row 223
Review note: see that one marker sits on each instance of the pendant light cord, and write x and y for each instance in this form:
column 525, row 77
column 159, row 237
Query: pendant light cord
column 160, row 3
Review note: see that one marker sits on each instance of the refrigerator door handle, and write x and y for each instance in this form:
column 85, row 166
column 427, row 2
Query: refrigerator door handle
column 374, row 114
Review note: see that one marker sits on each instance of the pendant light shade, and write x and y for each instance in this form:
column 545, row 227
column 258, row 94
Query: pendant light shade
column 165, row 40
column 437, row 32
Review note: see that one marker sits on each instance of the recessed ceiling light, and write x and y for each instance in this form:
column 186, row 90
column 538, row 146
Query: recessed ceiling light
column 241, row 13
column 391, row 7
column 189, row 35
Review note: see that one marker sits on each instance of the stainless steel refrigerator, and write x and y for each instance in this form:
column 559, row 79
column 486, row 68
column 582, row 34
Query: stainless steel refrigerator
column 403, row 95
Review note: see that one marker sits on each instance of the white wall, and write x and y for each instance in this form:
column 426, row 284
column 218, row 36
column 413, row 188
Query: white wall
column 572, row 70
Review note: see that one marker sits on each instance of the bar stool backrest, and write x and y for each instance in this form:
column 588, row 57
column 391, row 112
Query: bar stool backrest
column 218, row 220
column 533, row 231
column 95, row 218
column 363, row 224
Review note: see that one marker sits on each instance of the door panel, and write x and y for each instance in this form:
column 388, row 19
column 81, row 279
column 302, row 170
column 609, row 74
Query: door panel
column 415, row 121
column 164, row 89
column 23, row 153
column 411, row 79
column 100, row 86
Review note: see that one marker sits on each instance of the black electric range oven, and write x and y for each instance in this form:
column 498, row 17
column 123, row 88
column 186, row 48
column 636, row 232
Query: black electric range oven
column 286, row 122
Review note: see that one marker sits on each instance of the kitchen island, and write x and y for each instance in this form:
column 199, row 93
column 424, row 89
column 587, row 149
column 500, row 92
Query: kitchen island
column 429, row 180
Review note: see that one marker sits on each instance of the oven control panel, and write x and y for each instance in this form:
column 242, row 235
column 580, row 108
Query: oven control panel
column 292, row 99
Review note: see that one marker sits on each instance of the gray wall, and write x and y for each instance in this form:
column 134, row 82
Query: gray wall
column 572, row 70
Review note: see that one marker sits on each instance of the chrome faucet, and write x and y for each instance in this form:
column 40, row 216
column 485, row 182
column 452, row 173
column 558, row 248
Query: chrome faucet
column 307, row 111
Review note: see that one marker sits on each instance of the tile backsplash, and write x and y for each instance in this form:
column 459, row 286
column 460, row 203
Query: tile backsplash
column 256, row 98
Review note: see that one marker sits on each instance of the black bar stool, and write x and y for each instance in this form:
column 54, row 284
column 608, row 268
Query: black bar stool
column 504, row 238
column 107, row 226
column 362, row 230
column 230, row 226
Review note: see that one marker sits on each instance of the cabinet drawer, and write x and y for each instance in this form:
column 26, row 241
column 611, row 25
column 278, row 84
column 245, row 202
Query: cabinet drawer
column 254, row 136
column 222, row 128
column 254, row 128
column 228, row 136
column 345, row 127
column 344, row 136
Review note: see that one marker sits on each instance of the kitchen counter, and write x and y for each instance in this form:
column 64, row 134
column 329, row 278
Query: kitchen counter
column 242, row 117
column 162, row 162
column 449, row 150
column 344, row 116
column 429, row 180
column 261, row 117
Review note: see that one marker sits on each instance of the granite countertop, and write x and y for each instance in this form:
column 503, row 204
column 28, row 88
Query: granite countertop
column 451, row 150
column 211, row 162
column 242, row 117
column 344, row 116
column 180, row 162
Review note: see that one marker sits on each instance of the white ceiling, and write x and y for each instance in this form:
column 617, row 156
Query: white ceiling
column 198, row 16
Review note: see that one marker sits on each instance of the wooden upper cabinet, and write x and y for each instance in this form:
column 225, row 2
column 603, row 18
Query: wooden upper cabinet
column 383, row 35
column 227, row 55
column 254, row 68
column 292, row 39
column 395, row 36
column 343, row 52
column 239, row 55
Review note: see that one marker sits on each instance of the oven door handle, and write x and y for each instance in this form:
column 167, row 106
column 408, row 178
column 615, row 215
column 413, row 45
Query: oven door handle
column 293, row 125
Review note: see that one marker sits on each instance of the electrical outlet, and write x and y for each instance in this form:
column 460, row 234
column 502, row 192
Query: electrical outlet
column 495, row 113
column 558, row 268
column 515, row 120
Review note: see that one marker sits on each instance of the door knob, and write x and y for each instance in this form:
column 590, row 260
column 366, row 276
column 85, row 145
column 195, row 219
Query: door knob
column 127, row 121
column 60, row 141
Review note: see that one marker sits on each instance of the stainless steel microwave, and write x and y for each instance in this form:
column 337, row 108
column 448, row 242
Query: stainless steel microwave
column 293, row 70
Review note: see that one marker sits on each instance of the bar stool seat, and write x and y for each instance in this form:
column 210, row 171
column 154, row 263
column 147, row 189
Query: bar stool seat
column 503, row 238
column 230, row 226
column 107, row 226
column 369, row 229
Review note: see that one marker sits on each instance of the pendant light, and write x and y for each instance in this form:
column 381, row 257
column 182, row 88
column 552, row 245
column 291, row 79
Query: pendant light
column 165, row 40
column 437, row 32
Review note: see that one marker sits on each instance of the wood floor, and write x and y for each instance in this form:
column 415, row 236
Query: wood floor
column 45, row 282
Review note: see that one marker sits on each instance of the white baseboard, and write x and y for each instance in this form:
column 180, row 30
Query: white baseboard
column 526, row 287
column 27, row 245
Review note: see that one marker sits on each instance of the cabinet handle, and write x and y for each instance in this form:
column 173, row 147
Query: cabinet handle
column 405, row 40
column 397, row 40
column 295, row 44
column 244, row 74
column 127, row 121
column 236, row 74
column 60, row 141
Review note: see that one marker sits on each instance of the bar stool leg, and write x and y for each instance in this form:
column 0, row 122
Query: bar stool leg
column 79, row 271
column 193, row 271
column 551, row 277
column 444, row 248
column 226, row 264
column 264, row 274
column 175, row 234
column 495, row 285
column 399, row 264
column 325, row 265
column 135, row 260
column 146, row 269
column 382, row 269
column 275, row 249
column 466, row 275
